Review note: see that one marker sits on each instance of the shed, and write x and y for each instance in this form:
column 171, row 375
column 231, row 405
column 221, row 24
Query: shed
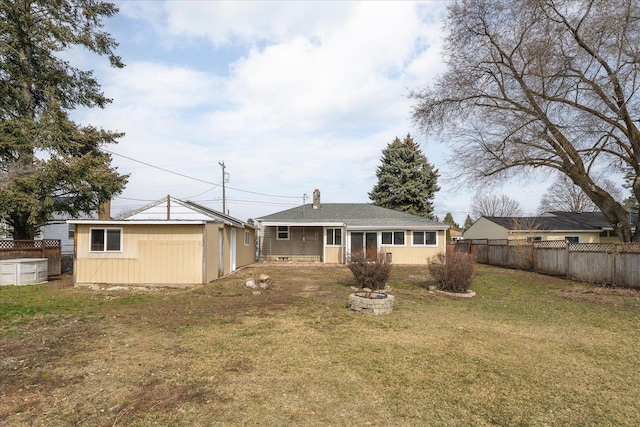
column 167, row 243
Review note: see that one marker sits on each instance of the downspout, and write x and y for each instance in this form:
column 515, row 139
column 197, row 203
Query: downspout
column 344, row 245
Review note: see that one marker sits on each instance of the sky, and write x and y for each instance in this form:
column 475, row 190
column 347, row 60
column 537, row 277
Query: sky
column 290, row 96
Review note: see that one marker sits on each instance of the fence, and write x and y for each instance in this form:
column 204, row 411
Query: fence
column 46, row 248
column 603, row 263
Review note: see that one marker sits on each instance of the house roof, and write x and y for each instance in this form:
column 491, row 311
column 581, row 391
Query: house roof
column 353, row 215
column 556, row 221
column 172, row 210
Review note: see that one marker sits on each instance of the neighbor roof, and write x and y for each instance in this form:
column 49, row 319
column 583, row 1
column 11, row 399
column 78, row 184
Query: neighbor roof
column 555, row 221
column 351, row 215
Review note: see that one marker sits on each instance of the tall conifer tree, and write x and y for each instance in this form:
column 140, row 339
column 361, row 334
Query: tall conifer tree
column 48, row 163
column 406, row 180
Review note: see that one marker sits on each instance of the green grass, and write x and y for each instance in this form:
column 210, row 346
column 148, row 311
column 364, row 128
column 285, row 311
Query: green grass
column 527, row 350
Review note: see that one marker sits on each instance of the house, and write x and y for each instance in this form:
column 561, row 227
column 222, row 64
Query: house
column 574, row 227
column 167, row 243
column 330, row 232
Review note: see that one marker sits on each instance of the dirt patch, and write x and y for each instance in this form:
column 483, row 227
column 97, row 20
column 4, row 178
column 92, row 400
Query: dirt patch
column 602, row 295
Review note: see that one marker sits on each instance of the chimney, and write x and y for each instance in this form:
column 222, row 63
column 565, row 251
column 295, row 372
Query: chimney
column 104, row 210
column 316, row 198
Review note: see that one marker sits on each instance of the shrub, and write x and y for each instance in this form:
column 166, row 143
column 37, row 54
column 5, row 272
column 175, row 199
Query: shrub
column 370, row 274
column 454, row 271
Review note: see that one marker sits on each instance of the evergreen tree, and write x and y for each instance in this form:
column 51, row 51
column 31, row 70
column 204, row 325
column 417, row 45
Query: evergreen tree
column 468, row 222
column 448, row 219
column 406, row 180
column 48, row 163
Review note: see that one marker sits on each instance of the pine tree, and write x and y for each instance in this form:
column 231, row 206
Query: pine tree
column 448, row 219
column 406, row 180
column 468, row 222
column 48, row 163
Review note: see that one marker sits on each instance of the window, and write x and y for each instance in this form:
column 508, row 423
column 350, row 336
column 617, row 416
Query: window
column 106, row 239
column 246, row 237
column 282, row 232
column 334, row 237
column 395, row 238
column 425, row 238
column 72, row 229
column 534, row 239
column 572, row 239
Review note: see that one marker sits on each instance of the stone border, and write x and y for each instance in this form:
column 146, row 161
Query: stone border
column 371, row 305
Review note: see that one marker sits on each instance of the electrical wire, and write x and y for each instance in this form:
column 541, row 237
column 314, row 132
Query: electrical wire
column 197, row 179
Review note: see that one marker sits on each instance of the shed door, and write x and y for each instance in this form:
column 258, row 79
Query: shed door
column 233, row 249
column 220, row 252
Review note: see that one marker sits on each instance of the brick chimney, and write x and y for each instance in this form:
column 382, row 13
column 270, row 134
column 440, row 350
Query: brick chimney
column 316, row 198
column 104, row 211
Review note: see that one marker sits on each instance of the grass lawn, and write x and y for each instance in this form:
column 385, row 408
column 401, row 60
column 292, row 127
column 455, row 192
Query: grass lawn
column 527, row 350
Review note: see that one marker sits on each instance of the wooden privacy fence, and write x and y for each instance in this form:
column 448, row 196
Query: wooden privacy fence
column 45, row 248
column 605, row 263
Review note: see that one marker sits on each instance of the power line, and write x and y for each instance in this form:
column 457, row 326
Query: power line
column 196, row 179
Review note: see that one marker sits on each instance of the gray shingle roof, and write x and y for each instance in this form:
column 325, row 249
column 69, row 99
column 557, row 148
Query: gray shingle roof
column 351, row 214
column 561, row 221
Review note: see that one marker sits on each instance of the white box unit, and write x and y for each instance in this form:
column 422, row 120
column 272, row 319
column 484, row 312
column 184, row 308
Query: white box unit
column 23, row 271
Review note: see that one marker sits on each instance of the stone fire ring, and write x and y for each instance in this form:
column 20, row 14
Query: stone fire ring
column 371, row 302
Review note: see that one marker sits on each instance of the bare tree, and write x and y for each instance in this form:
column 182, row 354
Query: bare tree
column 492, row 205
column 564, row 195
column 549, row 84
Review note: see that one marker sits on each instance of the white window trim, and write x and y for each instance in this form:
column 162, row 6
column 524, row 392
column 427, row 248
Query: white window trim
column 334, row 245
column 566, row 238
column 105, row 251
column 393, row 244
column 424, row 245
column 278, row 232
column 247, row 235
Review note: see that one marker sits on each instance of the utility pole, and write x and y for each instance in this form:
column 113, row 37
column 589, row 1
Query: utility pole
column 224, row 180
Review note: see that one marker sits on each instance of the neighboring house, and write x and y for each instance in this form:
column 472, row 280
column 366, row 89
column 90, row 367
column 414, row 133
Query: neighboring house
column 167, row 243
column 574, row 227
column 330, row 232
column 58, row 228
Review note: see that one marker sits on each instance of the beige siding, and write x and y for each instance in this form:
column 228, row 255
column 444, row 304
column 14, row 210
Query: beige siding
column 485, row 229
column 151, row 254
column 245, row 254
column 545, row 235
column 416, row 255
column 211, row 249
column 333, row 255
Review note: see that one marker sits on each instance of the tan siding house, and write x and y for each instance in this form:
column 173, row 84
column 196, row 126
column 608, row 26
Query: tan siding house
column 575, row 227
column 329, row 233
column 168, row 243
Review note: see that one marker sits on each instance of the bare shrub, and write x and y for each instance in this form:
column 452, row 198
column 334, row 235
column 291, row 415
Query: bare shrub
column 370, row 274
column 454, row 271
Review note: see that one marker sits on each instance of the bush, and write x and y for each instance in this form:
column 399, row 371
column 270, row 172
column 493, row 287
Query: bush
column 370, row 274
column 454, row 271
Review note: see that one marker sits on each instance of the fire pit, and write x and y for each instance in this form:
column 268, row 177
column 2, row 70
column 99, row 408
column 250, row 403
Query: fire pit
column 371, row 302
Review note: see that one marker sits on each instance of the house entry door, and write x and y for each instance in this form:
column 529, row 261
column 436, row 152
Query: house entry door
column 365, row 242
column 372, row 246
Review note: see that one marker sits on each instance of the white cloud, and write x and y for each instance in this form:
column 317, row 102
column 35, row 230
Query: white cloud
column 318, row 91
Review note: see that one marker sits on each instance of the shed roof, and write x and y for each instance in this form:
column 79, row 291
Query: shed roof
column 170, row 209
